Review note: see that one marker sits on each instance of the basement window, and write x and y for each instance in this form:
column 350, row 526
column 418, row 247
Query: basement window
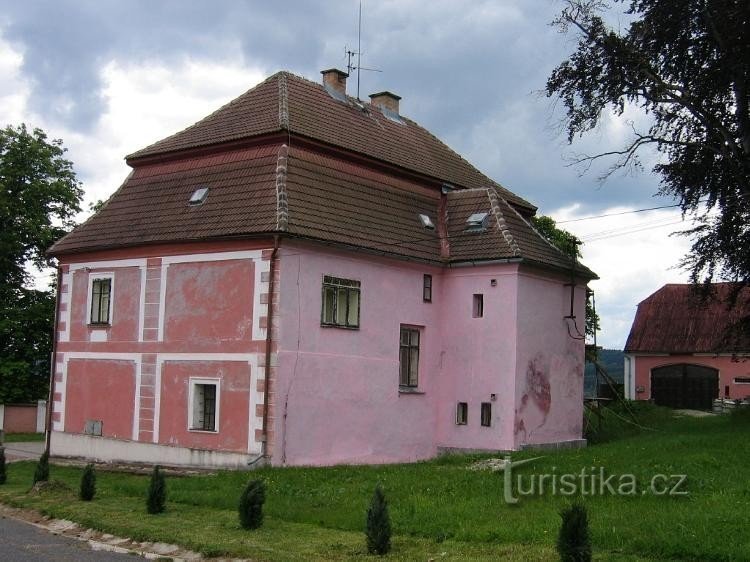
column 427, row 288
column 741, row 380
column 204, row 405
column 462, row 413
column 477, row 306
column 408, row 357
column 100, row 299
column 486, row 414
column 198, row 197
column 340, row 307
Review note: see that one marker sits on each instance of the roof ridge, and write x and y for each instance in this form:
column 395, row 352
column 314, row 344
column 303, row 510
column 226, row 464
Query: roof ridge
column 283, row 102
column 282, row 201
column 494, row 198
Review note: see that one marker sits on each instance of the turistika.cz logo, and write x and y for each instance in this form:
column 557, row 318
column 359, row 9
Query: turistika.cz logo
column 590, row 481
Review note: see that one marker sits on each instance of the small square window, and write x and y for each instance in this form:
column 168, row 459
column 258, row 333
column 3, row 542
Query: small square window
column 741, row 380
column 340, row 302
column 486, row 414
column 427, row 288
column 101, row 300
column 477, row 310
column 204, row 409
column 462, row 413
column 408, row 357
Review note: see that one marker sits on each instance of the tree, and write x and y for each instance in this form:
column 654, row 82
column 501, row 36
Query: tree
column 41, row 472
column 686, row 64
column 573, row 541
column 570, row 245
column 87, row 490
column 378, row 530
column 3, row 466
column 251, row 504
column 157, row 492
column 39, row 196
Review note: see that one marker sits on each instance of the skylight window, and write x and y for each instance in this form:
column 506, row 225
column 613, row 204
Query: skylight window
column 426, row 222
column 477, row 222
column 198, row 197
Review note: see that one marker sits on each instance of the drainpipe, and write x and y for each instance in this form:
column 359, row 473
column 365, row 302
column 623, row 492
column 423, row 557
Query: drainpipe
column 269, row 341
column 50, row 394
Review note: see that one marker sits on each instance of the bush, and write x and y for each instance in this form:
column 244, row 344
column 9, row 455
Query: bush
column 3, row 472
column 41, row 474
column 157, row 492
column 573, row 542
column 88, row 484
column 251, row 504
column 378, row 524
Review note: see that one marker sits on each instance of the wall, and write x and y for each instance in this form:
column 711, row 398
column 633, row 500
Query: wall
column 549, row 367
column 178, row 311
column 728, row 370
column 19, row 418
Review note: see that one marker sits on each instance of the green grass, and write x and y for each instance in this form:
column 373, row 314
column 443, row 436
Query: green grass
column 440, row 509
column 21, row 437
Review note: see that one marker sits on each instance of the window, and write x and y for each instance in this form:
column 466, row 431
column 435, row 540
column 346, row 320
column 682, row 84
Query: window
column 340, row 303
column 408, row 358
column 204, row 405
column 101, row 299
column 427, row 288
column 478, row 306
column 741, row 380
column 486, row 414
column 462, row 413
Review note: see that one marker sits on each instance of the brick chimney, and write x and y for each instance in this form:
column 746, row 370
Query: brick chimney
column 385, row 100
column 335, row 79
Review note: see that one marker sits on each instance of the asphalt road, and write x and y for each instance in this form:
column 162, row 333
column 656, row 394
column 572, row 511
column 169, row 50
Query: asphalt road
column 22, row 542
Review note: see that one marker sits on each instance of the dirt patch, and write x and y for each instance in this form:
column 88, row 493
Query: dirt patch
column 694, row 413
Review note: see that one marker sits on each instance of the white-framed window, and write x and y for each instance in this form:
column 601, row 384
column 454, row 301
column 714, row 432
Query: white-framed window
column 203, row 405
column 340, row 302
column 101, row 298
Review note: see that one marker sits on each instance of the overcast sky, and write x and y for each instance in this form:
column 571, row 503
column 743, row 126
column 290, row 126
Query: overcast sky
column 110, row 77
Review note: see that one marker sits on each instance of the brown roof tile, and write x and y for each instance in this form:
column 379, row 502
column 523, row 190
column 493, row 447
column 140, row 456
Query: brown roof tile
column 676, row 319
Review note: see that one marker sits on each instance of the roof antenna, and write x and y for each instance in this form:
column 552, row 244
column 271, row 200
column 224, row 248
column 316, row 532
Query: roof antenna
column 358, row 53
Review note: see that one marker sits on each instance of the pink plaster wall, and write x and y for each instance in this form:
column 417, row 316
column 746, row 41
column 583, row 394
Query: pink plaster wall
column 126, row 288
column 19, row 418
column 209, row 301
column 728, row 370
column 550, row 363
column 234, row 401
column 103, row 390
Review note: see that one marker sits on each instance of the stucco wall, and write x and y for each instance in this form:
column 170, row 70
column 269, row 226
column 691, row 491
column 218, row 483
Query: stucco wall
column 728, row 370
column 550, row 361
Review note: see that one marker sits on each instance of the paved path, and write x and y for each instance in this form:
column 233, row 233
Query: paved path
column 23, row 542
column 23, row 451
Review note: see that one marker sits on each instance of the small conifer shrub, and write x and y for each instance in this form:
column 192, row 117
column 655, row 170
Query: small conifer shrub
column 3, row 472
column 41, row 474
column 157, row 492
column 573, row 542
column 378, row 528
column 88, row 484
column 251, row 504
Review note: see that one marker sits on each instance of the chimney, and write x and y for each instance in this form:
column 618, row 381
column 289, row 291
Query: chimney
column 335, row 79
column 385, row 100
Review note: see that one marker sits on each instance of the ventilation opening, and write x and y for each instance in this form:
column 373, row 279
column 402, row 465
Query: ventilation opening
column 198, row 197
column 477, row 222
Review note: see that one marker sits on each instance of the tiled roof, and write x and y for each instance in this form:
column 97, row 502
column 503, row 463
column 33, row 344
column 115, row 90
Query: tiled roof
column 676, row 319
column 286, row 102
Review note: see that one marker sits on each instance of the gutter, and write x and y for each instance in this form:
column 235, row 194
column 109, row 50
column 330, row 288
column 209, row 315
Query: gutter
column 269, row 342
column 53, row 363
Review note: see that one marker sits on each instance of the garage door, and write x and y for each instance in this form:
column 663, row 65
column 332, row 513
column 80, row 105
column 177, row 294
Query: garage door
column 685, row 386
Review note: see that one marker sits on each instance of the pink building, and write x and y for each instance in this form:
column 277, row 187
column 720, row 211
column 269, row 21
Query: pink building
column 304, row 278
column 684, row 352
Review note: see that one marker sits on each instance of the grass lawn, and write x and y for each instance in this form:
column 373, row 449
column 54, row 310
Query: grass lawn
column 22, row 437
column 441, row 510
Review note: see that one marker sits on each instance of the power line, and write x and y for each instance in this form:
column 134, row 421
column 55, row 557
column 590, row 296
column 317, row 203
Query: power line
column 620, row 213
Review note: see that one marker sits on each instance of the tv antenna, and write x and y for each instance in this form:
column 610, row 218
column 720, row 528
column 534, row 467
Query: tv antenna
column 351, row 55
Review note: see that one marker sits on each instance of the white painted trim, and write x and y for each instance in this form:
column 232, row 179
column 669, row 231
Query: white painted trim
column 2, row 416
column 192, row 382
column 108, row 264
column 157, row 400
column 162, row 299
column 94, row 276
column 213, row 256
column 629, row 376
column 260, row 286
column 137, row 402
column 142, row 303
column 67, row 298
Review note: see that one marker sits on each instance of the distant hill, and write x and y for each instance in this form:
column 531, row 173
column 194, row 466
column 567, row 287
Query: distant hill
column 612, row 360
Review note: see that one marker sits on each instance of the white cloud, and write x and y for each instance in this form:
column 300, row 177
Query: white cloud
column 14, row 88
column 633, row 255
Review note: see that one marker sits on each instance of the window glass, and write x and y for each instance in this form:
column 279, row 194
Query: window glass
column 341, row 299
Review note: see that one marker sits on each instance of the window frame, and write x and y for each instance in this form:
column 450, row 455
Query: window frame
column 427, row 287
column 100, row 276
column 194, row 382
column 409, row 346
column 477, row 305
column 462, row 408
column 485, row 414
column 338, row 284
